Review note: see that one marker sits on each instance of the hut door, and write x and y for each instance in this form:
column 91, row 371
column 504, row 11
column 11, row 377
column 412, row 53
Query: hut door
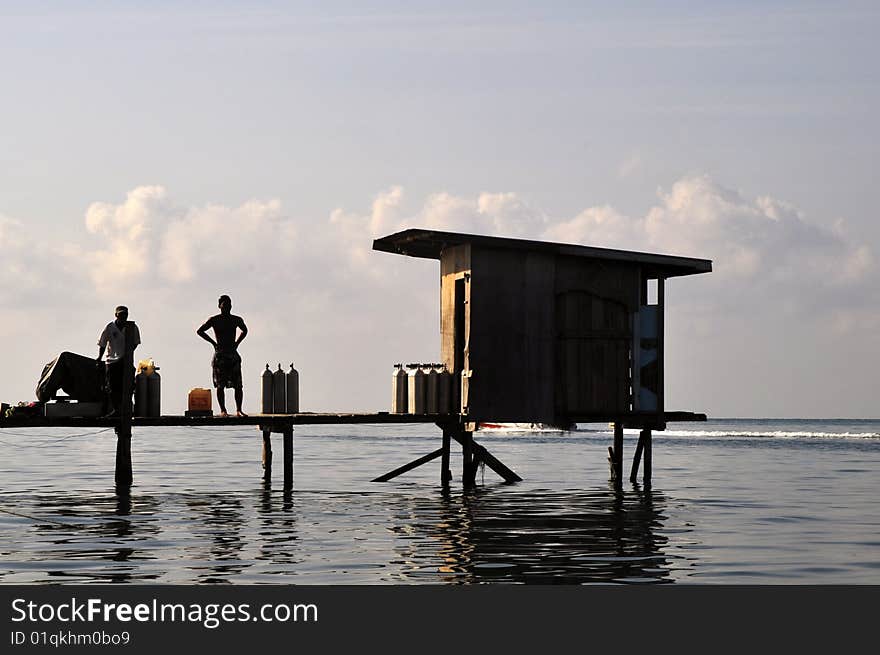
column 593, row 361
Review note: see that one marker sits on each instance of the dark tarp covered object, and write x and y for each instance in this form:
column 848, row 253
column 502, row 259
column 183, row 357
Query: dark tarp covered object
column 81, row 378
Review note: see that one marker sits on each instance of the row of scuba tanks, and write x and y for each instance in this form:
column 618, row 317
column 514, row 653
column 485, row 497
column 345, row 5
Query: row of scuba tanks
column 421, row 389
column 147, row 389
column 280, row 391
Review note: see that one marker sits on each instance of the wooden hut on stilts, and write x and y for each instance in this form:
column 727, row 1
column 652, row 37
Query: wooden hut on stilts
column 548, row 333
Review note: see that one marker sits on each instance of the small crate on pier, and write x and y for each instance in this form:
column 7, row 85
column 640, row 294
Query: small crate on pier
column 199, row 403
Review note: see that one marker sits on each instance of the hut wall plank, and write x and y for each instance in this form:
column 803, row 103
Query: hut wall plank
column 512, row 328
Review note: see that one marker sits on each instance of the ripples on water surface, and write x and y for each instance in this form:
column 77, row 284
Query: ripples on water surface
column 732, row 501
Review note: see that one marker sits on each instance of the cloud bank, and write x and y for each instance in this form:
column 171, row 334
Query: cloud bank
column 318, row 286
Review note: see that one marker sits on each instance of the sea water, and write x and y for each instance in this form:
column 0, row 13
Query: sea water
column 732, row 501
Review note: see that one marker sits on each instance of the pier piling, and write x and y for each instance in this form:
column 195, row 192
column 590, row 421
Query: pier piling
column 288, row 456
column 637, row 458
column 643, row 448
column 267, row 454
column 123, row 475
column 616, row 455
column 468, row 470
column 445, row 473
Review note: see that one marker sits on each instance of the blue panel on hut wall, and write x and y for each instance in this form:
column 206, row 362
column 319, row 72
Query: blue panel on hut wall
column 648, row 321
column 647, row 400
column 648, row 330
column 647, row 356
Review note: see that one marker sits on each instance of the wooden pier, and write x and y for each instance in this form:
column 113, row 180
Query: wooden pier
column 267, row 423
column 453, row 428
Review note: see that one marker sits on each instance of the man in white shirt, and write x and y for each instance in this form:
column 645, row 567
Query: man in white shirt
column 119, row 339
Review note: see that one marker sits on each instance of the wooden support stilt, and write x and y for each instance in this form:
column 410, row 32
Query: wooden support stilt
column 617, row 464
column 648, row 456
column 445, row 473
column 637, row 457
column 267, row 454
column 288, row 456
column 123, row 455
column 124, row 475
column 409, row 467
column 468, row 470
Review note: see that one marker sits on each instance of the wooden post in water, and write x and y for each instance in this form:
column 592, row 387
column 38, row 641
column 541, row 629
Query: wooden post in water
column 288, row 456
column 647, row 470
column 468, row 472
column 123, row 454
column 124, row 476
column 267, row 454
column 634, row 471
column 617, row 470
column 445, row 473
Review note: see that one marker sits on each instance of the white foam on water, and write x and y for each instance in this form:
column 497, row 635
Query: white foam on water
column 775, row 434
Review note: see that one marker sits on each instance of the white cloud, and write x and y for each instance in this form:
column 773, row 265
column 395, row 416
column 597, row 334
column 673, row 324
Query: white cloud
column 599, row 226
column 34, row 269
column 386, row 214
column 128, row 229
column 762, row 245
column 509, row 215
column 216, row 240
column 444, row 211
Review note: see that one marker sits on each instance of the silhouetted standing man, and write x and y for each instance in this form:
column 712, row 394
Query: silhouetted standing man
column 119, row 339
column 226, row 362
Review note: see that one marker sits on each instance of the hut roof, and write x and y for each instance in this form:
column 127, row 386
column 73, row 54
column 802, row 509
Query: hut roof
column 429, row 244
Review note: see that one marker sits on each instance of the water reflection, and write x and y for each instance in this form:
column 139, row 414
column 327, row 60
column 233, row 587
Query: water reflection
column 495, row 534
column 218, row 526
column 277, row 532
column 95, row 540
column 492, row 534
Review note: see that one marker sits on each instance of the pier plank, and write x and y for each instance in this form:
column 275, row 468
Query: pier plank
column 629, row 420
column 273, row 420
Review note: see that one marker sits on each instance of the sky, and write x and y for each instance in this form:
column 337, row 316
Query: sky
column 159, row 154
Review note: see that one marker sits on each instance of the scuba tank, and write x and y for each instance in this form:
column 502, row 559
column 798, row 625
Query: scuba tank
column 267, row 381
column 154, row 393
column 141, row 394
column 279, row 394
column 431, row 389
column 399, row 390
column 416, row 390
column 292, row 390
column 444, row 391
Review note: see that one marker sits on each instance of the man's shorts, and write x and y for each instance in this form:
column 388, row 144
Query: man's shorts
column 227, row 370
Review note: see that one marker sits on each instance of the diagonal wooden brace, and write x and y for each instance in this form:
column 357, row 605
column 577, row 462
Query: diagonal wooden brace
column 409, row 467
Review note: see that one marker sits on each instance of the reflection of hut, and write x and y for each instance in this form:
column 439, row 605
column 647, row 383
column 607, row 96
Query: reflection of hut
column 570, row 537
column 548, row 332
